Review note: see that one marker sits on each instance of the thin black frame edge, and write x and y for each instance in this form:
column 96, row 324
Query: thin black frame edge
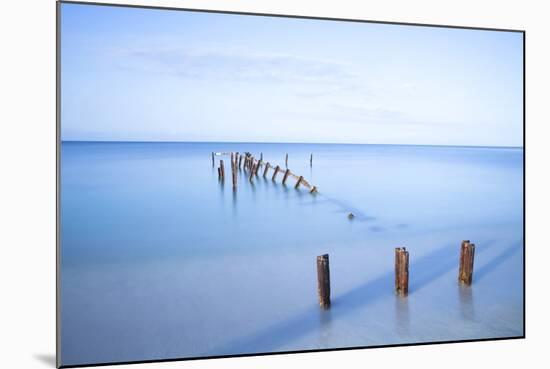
column 336, row 349
column 57, row 183
column 58, row 4
column 157, row 7
column 524, row 36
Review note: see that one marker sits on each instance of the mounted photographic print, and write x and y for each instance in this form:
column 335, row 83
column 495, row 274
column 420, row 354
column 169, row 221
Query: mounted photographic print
column 241, row 184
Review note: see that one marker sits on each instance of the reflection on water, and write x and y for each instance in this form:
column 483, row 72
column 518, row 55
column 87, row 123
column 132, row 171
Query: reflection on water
column 158, row 260
column 465, row 295
column 402, row 319
column 325, row 322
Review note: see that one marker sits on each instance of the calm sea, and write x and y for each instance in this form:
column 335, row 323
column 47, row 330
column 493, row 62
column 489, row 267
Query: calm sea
column 160, row 260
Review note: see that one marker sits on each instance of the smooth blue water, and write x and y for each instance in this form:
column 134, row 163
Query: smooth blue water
column 160, row 260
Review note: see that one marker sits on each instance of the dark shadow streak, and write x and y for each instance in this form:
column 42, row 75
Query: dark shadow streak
column 346, row 208
column 423, row 271
column 437, row 263
column 495, row 262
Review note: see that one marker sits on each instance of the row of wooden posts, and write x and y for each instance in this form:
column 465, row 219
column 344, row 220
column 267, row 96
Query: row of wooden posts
column 253, row 166
column 465, row 272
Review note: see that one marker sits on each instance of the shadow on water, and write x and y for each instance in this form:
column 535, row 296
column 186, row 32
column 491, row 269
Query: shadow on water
column 314, row 201
column 437, row 263
column 302, row 196
column 344, row 207
column 496, row 261
column 424, row 270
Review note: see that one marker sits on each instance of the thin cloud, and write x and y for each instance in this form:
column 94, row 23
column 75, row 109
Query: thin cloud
column 220, row 64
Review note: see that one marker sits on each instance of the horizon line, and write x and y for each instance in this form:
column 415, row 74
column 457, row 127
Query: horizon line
column 288, row 143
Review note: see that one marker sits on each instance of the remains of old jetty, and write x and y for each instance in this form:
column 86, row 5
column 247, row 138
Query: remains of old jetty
column 253, row 166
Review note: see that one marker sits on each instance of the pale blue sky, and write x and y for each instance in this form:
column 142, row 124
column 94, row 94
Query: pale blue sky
column 157, row 75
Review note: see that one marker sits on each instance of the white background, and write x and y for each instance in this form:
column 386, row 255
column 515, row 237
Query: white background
column 27, row 182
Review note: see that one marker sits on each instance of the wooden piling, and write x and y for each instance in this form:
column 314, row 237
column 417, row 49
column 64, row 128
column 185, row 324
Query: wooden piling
column 252, row 170
column 286, row 160
column 286, row 175
column 313, row 189
column 234, row 175
column 240, row 160
column 299, row 181
column 213, row 159
column 323, row 281
column 401, row 271
column 311, row 160
column 466, row 267
column 261, row 156
column 219, row 173
column 258, row 167
column 222, row 169
column 266, row 168
column 275, row 172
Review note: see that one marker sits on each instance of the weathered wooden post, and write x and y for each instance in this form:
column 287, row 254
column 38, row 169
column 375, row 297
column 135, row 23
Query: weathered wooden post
column 240, row 160
column 286, row 175
column 401, row 271
column 286, row 160
column 311, row 160
column 219, row 173
column 313, row 189
column 251, row 163
column 213, row 159
column 234, row 175
column 222, row 169
column 258, row 166
column 261, row 156
column 466, row 267
column 252, row 169
column 275, row 172
column 266, row 168
column 299, row 181
column 323, row 281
